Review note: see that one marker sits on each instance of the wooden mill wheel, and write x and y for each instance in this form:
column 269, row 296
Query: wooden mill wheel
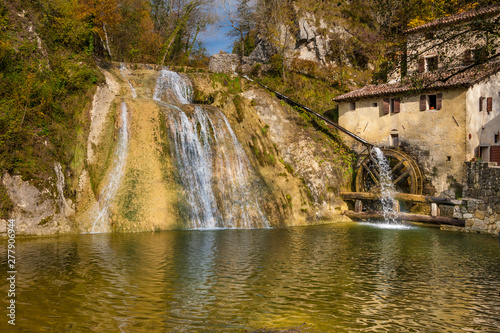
column 406, row 175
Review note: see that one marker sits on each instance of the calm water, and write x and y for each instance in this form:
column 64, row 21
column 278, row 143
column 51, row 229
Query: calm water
column 335, row 278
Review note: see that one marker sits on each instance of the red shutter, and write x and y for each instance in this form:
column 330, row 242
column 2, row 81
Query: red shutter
column 397, row 105
column 489, row 104
column 481, row 103
column 386, row 106
column 439, row 101
column 423, row 102
column 467, row 57
column 495, row 154
column 421, row 65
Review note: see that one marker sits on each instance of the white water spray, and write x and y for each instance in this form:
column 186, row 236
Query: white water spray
column 219, row 184
column 173, row 87
column 387, row 189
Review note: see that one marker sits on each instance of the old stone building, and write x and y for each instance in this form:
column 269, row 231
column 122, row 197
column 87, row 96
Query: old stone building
column 446, row 110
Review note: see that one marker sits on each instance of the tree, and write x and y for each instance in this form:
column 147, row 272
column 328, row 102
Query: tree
column 102, row 15
column 241, row 23
column 277, row 23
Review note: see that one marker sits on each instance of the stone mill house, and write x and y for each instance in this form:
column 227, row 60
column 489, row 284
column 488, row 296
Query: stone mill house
column 445, row 112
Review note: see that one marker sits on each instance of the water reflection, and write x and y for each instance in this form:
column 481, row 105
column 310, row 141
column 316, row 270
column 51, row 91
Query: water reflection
column 336, row 278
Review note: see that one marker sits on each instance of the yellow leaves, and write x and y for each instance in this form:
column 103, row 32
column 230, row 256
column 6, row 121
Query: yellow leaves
column 100, row 12
column 430, row 10
column 416, row 22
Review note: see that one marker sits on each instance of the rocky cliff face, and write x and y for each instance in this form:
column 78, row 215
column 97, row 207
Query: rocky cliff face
column 312, row 42
column 35, row 211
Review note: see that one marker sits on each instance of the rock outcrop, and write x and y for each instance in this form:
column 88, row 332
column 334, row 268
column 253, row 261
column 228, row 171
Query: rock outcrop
column 38, row 212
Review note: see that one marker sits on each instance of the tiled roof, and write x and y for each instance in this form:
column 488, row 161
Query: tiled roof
column 460, row 17
column 426, row 81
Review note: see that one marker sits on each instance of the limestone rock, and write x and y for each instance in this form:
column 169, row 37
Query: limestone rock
column 38, row 212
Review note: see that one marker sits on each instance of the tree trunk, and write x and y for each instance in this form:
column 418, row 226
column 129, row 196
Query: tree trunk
column 180, row 24
column 107, row 41
column 190, row 48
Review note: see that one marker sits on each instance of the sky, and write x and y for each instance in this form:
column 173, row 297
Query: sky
column 215, row 37
column 216, row 40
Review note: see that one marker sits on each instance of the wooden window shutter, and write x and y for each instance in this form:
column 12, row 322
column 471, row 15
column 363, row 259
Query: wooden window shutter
column 421, row 65
column 423, row 102
column 495, row 154
column 386, row 106
column 481, row 103
column 439, row 101
column 397, row 105
column 489, row 104
column 467, row 57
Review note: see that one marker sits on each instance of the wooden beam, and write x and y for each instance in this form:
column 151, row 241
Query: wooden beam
column 407, row 217
column 401, row 196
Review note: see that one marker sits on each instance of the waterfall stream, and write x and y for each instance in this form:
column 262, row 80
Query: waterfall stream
column 99, row 213
column 219, row 184
column 124, row 70
column 387, row 189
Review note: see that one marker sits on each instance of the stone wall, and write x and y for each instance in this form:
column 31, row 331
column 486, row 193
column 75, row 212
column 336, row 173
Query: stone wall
column 228, row 63
column 482, row 197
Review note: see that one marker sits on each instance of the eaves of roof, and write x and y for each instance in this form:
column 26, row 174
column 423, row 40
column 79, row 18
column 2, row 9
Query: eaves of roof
column 452, row 78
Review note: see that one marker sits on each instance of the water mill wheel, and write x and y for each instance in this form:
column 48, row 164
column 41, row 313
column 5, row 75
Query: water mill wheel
column 406, row 175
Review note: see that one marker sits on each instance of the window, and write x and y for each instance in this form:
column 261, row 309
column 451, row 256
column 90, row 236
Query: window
column 427, row 63
column 395, row 140
column 375, row 105
column 352, row 106
column 489, row 104
column 431, row 102
column 497, row 137
column 391, row 105
column 431, row 63
column 480, row 54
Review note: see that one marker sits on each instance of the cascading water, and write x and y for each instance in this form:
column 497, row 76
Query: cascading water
column 99, row 213
column 124, row 70
column 214, row 170
column 387, row 189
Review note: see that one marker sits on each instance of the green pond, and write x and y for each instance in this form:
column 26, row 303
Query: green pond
column 329, row 278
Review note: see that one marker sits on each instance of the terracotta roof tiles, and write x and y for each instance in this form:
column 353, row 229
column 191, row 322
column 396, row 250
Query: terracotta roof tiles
column 428, row 81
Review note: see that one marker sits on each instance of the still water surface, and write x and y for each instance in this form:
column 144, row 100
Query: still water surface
column 334, row 278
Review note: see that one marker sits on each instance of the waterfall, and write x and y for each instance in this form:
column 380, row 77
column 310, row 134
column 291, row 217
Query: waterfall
column 99, row 213
column 124, row 70
column 173, row 87
column 387, row 189
column 218, row 182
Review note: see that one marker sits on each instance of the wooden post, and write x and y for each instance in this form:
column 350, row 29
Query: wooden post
column 434, row 209
column 358, row 206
